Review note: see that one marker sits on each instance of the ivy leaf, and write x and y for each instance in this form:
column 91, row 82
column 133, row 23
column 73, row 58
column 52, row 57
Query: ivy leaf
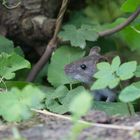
column 9, row 63
column 126, row 70
column 62, row 56
column 15, row 104
column 130, row 5
column 78, row 37
column 6, row 45
column 130, row 94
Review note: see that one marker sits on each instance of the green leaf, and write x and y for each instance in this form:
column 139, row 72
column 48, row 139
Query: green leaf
column 6, row 45
column 114, row 82
column 15, row 104
column 137, row 72
column 126, row 70
column 78, row 37
column 55, row 107
column 19, row 51
column 78, row 18
column 62, row 56
column 102, row 74
column 103, row 66
column 130, row 94
column 112, row 108
column 60, row 92
column 11, row 63
column 110, row 75
column 136, row 84
column 130, row 5
column 71, row 95
column 115, row 63
column 32, row 97
column 52, row 102
column 105, row 79
column 99, row 84
column 130, row 37
column 58, row 100
column 10, row 84
column 77, row 107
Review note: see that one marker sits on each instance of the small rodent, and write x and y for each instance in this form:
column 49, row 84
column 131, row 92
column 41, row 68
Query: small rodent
column 83, row 71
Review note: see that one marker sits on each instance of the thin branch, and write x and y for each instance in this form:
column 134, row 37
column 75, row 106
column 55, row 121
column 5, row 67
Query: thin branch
column 54, row 41
column 10, row 7
column 121, row 26
column 108, row 126
column 52, row 45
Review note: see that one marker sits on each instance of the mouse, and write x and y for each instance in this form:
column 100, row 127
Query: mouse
column 83, row 71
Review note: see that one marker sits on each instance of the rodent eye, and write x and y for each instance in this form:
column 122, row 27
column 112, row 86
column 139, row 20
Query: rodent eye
column 83, row 66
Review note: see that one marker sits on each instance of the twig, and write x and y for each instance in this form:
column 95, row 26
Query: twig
column 54, row 41
column 52, row 45
column 116, row 29
column 121, row 26
column 10, row 7
column 108, row 126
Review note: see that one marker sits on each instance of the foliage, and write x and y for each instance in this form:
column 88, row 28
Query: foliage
column 130, row 37
column 15, row 104
column 78, row 37
column 130, row 5
column 77, row 104
column 130, row 93
column 58, row 100
column 78, row 109
column 111, row 108
column 113, row 73
column 6, row 45
column 137, row 72
column 56, row 75
column 9, row 63
column 81, row 32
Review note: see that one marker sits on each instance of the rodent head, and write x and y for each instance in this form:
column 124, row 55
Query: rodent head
column 84, row 69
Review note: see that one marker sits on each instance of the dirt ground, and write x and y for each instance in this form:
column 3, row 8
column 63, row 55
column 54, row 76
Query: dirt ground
column 45, row 127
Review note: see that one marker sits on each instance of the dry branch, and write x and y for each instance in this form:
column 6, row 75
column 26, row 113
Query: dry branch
column 52, row 45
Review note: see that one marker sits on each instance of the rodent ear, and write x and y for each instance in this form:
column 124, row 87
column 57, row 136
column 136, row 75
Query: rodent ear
column 94, row 50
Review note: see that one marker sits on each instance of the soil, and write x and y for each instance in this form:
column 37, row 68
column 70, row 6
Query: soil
column 45, row 127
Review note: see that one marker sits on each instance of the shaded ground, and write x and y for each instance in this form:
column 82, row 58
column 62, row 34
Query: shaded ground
column 52, row 128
